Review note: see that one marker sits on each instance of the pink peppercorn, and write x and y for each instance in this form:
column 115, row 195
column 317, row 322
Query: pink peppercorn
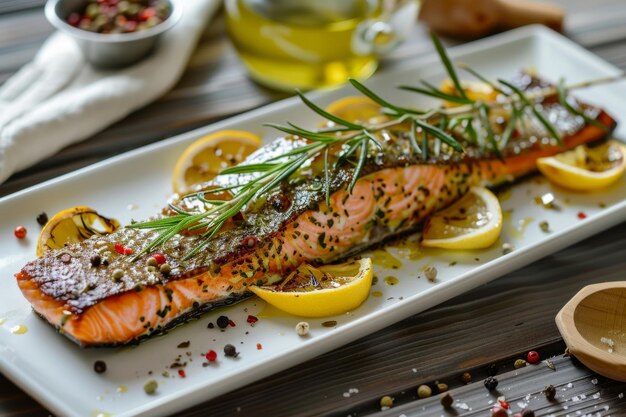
column 211, row 356
column 182, row 373
column 532, row 357
column 252, row 319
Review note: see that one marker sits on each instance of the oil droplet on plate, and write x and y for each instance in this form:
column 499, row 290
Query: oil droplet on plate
column 505, row 195
column 122, row 388
column 19, row 329
column 410, row 251
column 391, row 280
column 269, row 311
column 377, row 294
column 383, row 258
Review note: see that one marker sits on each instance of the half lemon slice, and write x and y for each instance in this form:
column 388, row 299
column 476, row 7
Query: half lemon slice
column 209, row 155
column 73, row 225
column 473, row 222
column 357, row 109
column 584, row 168
column 318, row 292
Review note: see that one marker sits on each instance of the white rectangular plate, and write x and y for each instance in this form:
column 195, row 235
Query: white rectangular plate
column 134, row 185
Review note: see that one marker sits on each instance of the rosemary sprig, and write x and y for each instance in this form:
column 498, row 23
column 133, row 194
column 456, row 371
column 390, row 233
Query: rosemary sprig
column 470, row 119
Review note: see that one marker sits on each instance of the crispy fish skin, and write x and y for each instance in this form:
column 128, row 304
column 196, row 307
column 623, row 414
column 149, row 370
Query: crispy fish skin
column 390, row 198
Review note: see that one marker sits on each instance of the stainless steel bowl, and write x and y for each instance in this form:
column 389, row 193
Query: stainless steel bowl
column 109, row 50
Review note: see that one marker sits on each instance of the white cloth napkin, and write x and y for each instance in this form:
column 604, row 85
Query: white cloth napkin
column 59, row 99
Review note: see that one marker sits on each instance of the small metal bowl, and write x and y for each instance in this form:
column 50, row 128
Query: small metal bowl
column 109, row 50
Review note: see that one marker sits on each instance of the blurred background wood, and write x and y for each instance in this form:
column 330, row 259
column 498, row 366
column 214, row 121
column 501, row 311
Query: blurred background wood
column 495, row 323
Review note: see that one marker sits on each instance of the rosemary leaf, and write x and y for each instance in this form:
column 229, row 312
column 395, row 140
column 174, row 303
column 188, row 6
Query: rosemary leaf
column 424, row 145
column 484, row 115
column 436, row 94
column 246, row 169
column 481, row 78
column 510, row 128
column 326, row 177
column 302, row 133
column 360, row 165
column 448, row 64
column 435, row 131
column 413, row 139
column 369, row 93
column 562, row 93
column 326, row 114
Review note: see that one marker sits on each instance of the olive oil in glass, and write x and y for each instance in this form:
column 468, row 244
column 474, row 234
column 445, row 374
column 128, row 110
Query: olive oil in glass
column 305, row 44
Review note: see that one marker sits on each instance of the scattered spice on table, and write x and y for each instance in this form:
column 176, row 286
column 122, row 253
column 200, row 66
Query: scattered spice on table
column 99, row 367
column 302, row 328
column 442, row 387
column 532, row 357
column 550, row 365
column 20, row 232
column 424, row 391
column 491, row 383
column 550, row 392
column 466, row 377
column 150, row 387
column 519, row 363
column 230, row 351
column 447, row 400
column 42, row 218
column 492, row 370
column 498, row 411
column 386, row 402
column 527, row 412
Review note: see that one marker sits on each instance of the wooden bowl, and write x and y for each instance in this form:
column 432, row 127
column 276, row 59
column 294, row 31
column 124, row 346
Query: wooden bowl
column 593, row 324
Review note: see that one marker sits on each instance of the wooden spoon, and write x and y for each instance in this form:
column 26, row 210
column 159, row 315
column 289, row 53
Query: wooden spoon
column 593, row 324
column 476, row 18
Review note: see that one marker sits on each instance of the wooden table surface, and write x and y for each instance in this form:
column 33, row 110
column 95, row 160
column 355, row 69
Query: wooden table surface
column 494, row 324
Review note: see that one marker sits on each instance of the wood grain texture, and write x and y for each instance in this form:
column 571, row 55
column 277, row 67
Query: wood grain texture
column 495, row 323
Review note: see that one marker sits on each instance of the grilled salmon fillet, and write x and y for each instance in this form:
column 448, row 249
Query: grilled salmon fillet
column 394, row 193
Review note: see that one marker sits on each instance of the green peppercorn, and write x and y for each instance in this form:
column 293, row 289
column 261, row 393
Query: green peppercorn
column 424, row 391
column 386, row 401
column 447, row 400
column 519, row 363
column 117, row 275
column 150, row 387
column 165, row 269
column 151, row 261
column 491, row 383
column 544, row 226
column 466, row 377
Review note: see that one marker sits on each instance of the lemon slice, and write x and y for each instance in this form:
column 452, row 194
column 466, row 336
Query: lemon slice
column 207, row 156
column 318, row 292
column 355, row 109
column 584, row 168
column 473, row 222
column 474, row 90
column 73, row 225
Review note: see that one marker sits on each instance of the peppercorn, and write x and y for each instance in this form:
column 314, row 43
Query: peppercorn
column 210, row 326
column 527, row 412
column 431, row 273
column 447, row 400
column 160, row 258
column 532, row 357
column 492, row 370
column 302, row 328
column 150, row 387
column 118, row 274
column 550, row 392
column 20, row 232
column 222, row 322
column 442, row 387
column 230, row 351
column 165, row 269
column 100, row 367
column 424, row 391
column 95, row 260
column 498, row 411
column 507, row 248
column 211, row 356
column 519, row 363
column 466, row 377
column 279, row 202
column 491, row 383
column 128, row 251
column 386, row 401
column 42, row 219
column 252, row 319
column 544, row 226
column 151, row 261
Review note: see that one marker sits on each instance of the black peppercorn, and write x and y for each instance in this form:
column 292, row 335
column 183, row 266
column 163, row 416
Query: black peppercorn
column 95, row 260
column 492, row 370
column 550, row 392
column 42, row 219
column 210, row 325
column 100, row 367
column 447, row 400
column 491, row 383
column 279, row 202
column 527, row 412
column 222, row 322
column 230, row 351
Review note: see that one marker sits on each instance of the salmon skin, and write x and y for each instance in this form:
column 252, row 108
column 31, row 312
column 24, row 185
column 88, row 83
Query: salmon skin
column 396, row 190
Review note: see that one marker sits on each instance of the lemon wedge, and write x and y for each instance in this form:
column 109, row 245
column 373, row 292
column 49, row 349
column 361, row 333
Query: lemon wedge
column 474, row 90
column 207, row 156
column 73, row 225
column 355, row 108
column 584, row 168
column 473, row 222
column 318, row 292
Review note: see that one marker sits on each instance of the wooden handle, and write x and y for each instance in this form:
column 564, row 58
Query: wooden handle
column 515, row 13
